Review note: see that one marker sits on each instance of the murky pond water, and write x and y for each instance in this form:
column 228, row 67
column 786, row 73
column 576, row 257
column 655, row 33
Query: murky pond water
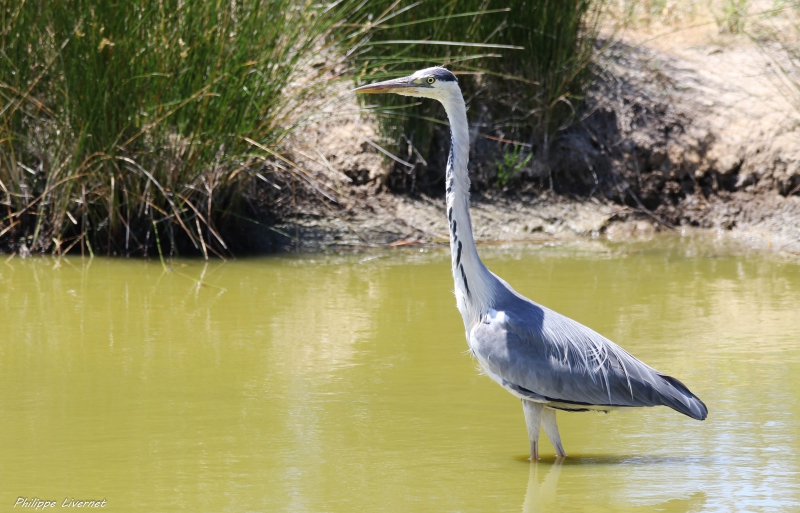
column 341, row 383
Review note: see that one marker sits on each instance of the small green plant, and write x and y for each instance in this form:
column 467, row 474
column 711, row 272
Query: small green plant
column 512, row 164
column 730, row 20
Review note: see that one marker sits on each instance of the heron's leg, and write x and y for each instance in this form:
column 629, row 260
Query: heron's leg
column 533, row 418
column 551, row 429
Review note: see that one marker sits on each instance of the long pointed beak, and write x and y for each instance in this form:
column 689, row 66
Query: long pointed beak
column 388, row 86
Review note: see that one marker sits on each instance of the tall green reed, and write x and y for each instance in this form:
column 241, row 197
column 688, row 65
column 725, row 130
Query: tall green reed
column 122, row 122
column 524, row 65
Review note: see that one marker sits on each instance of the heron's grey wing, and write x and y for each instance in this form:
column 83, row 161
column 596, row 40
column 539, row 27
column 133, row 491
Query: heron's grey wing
column 557, row 359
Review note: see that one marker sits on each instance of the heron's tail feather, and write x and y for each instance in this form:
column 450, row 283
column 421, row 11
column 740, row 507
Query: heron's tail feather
column 675, row 395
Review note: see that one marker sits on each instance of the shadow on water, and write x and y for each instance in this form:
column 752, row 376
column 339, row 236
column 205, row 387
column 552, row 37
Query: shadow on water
column 542, row 492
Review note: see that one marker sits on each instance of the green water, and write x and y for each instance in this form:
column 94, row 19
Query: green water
column 341, row 383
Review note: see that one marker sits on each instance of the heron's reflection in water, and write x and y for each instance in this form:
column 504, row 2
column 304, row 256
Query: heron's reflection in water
column 541, row 494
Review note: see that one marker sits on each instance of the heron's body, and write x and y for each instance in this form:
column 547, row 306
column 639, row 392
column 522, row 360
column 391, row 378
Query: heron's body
column 547, row 360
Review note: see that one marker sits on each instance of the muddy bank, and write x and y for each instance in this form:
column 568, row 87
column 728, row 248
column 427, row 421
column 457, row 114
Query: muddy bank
column 388, row 220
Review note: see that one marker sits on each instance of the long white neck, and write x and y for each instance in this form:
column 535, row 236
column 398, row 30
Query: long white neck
column 473, row 282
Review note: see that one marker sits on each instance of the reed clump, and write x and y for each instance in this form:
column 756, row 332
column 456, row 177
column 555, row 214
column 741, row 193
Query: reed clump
column 124, row 124
column 525, row 66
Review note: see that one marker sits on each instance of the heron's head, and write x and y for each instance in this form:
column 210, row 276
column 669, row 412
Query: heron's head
column 436, row 83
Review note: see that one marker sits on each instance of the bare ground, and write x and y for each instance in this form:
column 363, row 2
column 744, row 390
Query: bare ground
column 690, row 130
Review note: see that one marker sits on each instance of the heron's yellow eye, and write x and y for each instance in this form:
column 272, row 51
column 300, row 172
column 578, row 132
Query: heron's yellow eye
column 431, row 80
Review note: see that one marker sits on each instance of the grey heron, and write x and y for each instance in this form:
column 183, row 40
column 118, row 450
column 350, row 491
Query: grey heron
column 545, row 359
